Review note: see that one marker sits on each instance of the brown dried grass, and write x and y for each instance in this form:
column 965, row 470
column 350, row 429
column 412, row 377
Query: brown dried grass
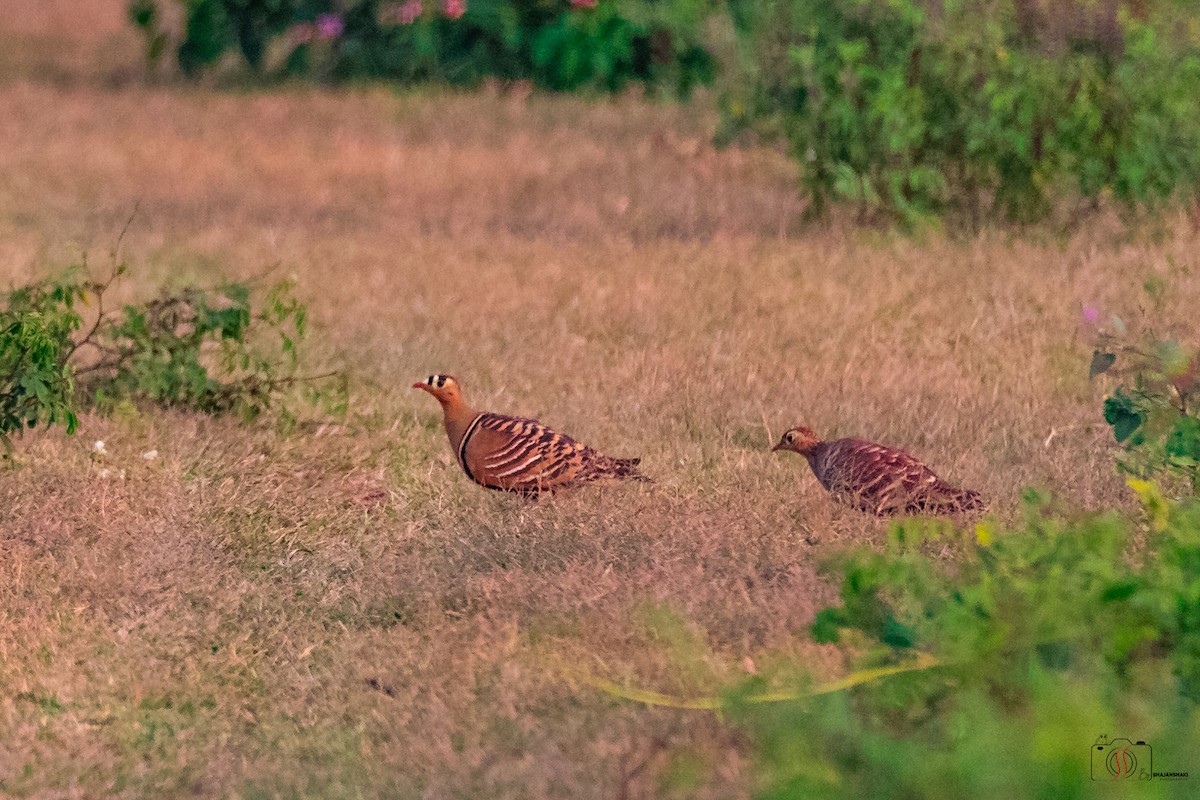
column 339, row 612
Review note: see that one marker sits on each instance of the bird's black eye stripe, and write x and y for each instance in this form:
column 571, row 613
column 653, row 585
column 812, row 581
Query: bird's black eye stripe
column 441, row 381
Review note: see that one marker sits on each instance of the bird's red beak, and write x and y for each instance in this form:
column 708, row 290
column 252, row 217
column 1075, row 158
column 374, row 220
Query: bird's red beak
column 777, row 447
column 420, row 386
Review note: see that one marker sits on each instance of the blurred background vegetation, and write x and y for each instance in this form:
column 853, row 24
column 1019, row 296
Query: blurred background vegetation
column 562, row 45
column 907, row 111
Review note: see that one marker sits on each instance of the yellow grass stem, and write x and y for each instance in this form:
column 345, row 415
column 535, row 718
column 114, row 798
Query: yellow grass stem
column 651, row 698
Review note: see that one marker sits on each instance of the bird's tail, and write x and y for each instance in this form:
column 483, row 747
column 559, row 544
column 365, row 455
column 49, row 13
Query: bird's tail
column 628, row 468
column 968, row 500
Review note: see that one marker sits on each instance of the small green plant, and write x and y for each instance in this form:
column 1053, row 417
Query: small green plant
column 1154, row 403
column 38, row 386
column 207, row 350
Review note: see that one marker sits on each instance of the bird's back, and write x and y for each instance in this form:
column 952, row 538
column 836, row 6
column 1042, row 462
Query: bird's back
column 885, row 480
column 523, row 455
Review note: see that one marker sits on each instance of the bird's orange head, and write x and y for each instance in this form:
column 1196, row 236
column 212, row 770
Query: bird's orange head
column 443, row 387
column 799, row 440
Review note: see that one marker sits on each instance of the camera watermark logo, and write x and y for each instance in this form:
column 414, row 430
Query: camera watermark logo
column 1121, row 760
column 1126, row 760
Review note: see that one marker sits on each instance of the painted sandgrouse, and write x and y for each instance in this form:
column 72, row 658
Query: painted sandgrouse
column 877, row 479
column 515, row 454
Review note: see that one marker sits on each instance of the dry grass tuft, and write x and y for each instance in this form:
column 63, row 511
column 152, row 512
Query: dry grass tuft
column 258, row 615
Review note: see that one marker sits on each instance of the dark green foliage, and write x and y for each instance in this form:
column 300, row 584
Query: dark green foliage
column 37, row 387
column 1046, row 636
column 557, row 44
column 1121, row 412
column 1154, row 405
column 204, row 350
column 144, row 14
column 204, row 37
column 966, row 108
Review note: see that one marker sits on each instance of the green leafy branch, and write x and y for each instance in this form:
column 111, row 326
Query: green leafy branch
column 214, row 351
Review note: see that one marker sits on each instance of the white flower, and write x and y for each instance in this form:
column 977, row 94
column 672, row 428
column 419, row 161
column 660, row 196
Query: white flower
column 150, row 455
column 104, row 473
column 98, row 447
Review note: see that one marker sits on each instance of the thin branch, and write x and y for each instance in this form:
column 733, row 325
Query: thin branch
column 99, row 365
column 103, row 348
column 293, row 379
column 260, row 278
column 99, row 289
column 87, row 338
column 121, row 237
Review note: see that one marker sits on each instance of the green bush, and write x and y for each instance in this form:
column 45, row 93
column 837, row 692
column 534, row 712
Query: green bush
column 1044, row 638
column 38, row 387
column 561, row 45
column 909, row 110
column 205, row 350
column 1153, row 404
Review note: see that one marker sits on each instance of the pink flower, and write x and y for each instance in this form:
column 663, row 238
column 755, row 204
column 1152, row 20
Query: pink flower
column 1091, row 315
column 330, row 26
column 454, row 8
column 583, row 3
column 408, row 12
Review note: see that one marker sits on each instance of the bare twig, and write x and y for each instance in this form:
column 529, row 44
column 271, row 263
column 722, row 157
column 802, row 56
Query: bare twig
column 121, row 237
column 99, row 288
column 88, row 337
column 294, row 379
column 99, row 365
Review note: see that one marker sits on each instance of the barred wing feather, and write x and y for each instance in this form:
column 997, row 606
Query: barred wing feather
column 522, row 455
column 884, row 480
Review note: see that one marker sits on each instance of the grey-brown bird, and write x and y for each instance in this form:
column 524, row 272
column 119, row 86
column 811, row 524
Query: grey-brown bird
column 876, row 478
column 514, row 454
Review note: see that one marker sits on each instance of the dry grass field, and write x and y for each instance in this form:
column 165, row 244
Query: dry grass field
column 338, row 612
